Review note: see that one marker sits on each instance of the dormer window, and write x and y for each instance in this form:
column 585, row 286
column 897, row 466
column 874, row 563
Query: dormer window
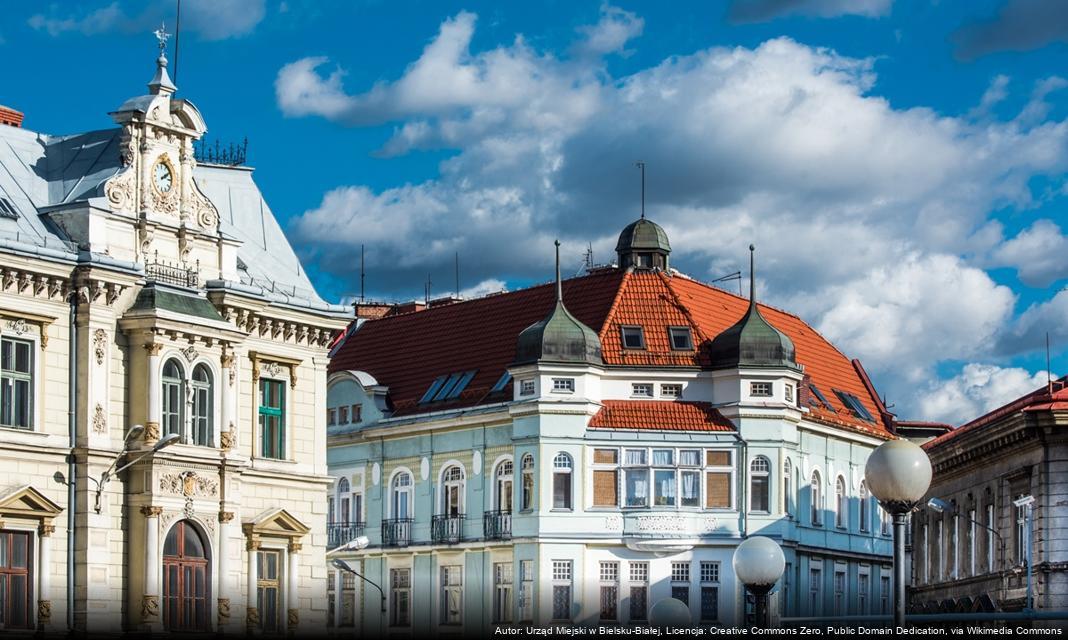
column 526, row 387
column 681, row 339
column 502, row 382
column 760, row 389
column 331, row 416
column 790, row 394
column 563, row 385
column 343, row 415
column 641, row 390
column 633, row 338
column 670, row 390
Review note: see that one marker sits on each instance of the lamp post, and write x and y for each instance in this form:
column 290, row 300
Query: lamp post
column 898, row 473
column 759, row 563
column 359, row 543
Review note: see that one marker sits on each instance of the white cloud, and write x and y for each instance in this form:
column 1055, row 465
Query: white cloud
column 873, row 222
column 210, row 19
column 484, row 288
column 976, row 390
column 612, row 32
column 763, row 10
column 1039, row 254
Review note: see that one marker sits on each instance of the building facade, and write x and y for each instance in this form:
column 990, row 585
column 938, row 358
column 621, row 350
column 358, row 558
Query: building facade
column 139, row 286
column 997, row 496
column 576, row 453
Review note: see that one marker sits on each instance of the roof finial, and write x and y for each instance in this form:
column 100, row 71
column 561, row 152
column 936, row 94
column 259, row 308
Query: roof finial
column 161, row 82
column 641, row 165
column 752, row 276
column 162, row 35
column 559, row 286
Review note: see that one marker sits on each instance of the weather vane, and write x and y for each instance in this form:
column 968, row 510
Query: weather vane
column 162, row 35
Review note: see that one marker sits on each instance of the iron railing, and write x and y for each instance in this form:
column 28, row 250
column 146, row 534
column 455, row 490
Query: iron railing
column 339, row 534
column 447, row 529
column 177, row 275
column 497, row 525
column 396, row 532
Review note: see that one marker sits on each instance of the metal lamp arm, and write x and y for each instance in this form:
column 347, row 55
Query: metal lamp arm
column 380, row 592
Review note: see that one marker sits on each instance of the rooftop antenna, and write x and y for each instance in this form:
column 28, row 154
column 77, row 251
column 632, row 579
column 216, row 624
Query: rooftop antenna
column 641, row 165
column 363, row 274
column 587, row 258
column 737, row 275
column 559, row 287
column 428, row 283
column 177, row 35
column 457, row 256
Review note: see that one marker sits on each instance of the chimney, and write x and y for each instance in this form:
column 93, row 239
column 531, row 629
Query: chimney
column 10, row 117
column 372, row 310
column 446, row 300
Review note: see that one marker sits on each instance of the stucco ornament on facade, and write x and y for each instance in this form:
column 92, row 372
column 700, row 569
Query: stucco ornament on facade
column 424, row 470
column 100, row 345
column 476, row 462
column 100, row 419
column 18, row 326
column 188, row 483
column 376, row 474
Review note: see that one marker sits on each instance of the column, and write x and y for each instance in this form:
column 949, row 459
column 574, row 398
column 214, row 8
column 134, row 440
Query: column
column 44, row 573
column 223, row 567
column 228, row 430
column 154, row 402
column 150, row 597
column 292, row 595
column 338, row 598
column 252, row 612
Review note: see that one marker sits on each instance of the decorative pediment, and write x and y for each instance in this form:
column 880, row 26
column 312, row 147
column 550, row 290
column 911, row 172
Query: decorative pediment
column 276, row 523
column 27, row 502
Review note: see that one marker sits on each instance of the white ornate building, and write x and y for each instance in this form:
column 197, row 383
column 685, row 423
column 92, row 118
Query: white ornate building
column 138, row 286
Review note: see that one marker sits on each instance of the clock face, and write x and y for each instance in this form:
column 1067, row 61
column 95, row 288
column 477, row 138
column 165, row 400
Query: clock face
column 162, row 177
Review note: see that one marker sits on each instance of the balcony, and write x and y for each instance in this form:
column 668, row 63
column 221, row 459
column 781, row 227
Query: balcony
column 497, row 525
column 177, row 275
column 339, row 534
column 448, row 529
column 396, row 532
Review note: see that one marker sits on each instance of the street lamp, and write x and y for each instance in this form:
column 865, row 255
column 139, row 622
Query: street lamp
column 669, row 613
column 898, row 473
column 131, row 435
column 759, row 563
column 344, row 566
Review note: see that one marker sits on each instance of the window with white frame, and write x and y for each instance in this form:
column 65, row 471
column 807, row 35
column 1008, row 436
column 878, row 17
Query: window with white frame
column 664, row 481
column 865, row 507
column 452, row 491
column 561, row 589
column 760, row 389
column 709, row 591
column 562, row 484
column 563, row 385
column 526, row 590
column 955, row 548
column 641, row 389
column 816, row 498
column 789, row 393
column 719, row 479
column 787, row 487
column 605, row 477
column 527, row 489
column 680, row 582
column 639, row 591
column 884, row 521
column 503, row 493
column 400, row 597
column 526, row 387
column 662, row 477
column 401, row 499
column 203, row 407
column 452, row 594
column 972, row 532
column 681, row 338
column 16, row 383
column 990, row 538
column 841, row 506
column 671, row 390
column 344, row 502
column 609, row 580
column 173, row 396
column 760, row 484
column 502, row 592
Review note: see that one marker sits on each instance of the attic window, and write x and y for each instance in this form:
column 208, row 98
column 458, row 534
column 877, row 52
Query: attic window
column 681, row 340
column 502, row 382
column 819, row 396
column 854, row 405
column 633, row 338
column 7, row 210
column 435, row 386
column 461, row 384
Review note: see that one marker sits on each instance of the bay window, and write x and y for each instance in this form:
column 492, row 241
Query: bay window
column 661, row 477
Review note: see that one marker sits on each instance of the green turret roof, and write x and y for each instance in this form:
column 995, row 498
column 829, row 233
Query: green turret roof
column 643, row 235
column 752, row 341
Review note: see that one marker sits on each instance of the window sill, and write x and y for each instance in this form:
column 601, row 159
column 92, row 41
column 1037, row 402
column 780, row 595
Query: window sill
column 561, row 510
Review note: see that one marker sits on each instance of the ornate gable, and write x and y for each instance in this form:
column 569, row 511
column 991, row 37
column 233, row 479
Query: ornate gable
column 27, row 502
column 276, row 523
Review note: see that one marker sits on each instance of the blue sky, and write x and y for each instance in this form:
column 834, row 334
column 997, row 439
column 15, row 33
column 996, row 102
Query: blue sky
column 900, row 165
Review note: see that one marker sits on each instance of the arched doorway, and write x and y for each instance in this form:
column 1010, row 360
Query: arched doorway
column 186, row 579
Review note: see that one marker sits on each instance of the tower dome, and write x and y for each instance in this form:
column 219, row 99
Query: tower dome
column 643, row 244
column 560, row 337
column 752, row 341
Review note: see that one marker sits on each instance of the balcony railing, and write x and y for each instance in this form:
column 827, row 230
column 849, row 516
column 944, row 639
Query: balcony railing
column 177, row 275
column 497, row 525
column 396, row 532
column 447, row 529
column 339, row 534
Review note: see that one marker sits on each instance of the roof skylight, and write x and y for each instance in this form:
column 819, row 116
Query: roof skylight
column 854, row 405
column 448, row 387
column 819, row 395
column 502, row 382
column 7, row 210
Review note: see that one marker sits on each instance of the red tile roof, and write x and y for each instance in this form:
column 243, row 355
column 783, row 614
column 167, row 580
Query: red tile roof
column 1052, row 398
column 662, row 415
column 407, row 352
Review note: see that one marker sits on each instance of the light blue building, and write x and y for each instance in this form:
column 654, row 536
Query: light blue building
column 513, row 460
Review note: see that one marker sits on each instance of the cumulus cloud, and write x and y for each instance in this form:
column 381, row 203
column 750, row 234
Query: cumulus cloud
column 210, row 19
column 1039, row 254
column 872, row 222
column 976, row 390
column 1021, row 25
column 742, row 11
column 611, row 34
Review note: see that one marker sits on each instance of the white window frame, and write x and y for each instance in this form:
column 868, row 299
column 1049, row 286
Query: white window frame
column 563, row 385
column 761, row 389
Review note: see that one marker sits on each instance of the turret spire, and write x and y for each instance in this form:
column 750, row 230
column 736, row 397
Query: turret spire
column 641, row 165
column 752, row 276
column 161, row 82
column 559, row 284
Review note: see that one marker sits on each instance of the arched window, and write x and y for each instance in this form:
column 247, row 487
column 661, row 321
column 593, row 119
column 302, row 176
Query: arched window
column 841, row 504
column 452, row 491
column 760, row 484
column 504, row 486
column 203, row 407
column 401, row 502
column 344, row 515
column 787, row 487
column 186, row 580
column 816, row 496
column 173, row 398
column 865, row 507
column 527, row 499
column 562, row 481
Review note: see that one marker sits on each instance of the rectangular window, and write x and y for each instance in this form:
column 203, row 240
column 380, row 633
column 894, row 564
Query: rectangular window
column 526, row 590
column 815, row 602
column 680, row 572
column 272, row 419
column 526, row 387
column 452, row 590
column 563, row 385
column 609, row 592
column 357, row 413
column 990, row 538
column 863, row 585
column 760, row 389
column 663, row 457
column 605, row 488
column 839, row 593
column 717, row 490
column 709, row 571
column 940, row 539
column 633, row 338
column 884, row 592
column 681, row 339
column 16, row 580
column 664, row 487
column 689, row 457
column 637, row 487
column 641, row 390
column 268, row 585
column 714, row 458
column 927, row 555
column 855, row 406
column 972, row 531
column 789, row 391
column 709, row 603
column 16, row 383
column 331, row 416
column 639, row 594
column 634, row 457
column 605, row 456
column 670, row 390
column 689, row 488
column 955, row 549
column 561, row 589
column 400, row 597
column 343, row 415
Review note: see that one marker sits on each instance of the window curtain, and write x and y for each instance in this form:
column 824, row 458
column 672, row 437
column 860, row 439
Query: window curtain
column 637, row 488
column 635, row 457
column 662, row 457
column 690, row 491
column 690, row 458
